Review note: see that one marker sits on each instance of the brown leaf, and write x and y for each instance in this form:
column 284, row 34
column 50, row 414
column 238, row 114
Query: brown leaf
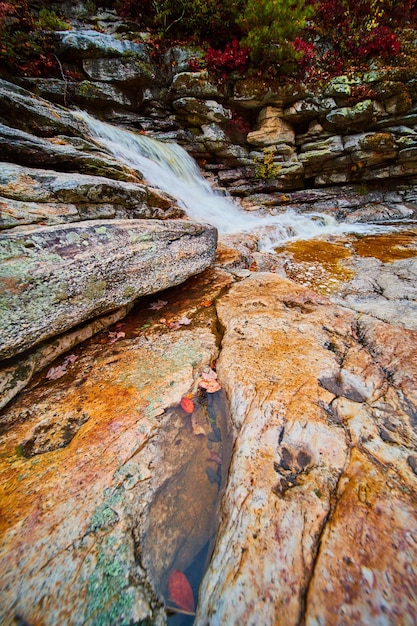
column 184, row 321
column 159, row 304
column 211, row 386
column 215, row 457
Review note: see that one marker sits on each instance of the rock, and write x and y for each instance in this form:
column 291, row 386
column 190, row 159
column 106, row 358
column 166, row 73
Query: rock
column 26, row 149
column 305, row 110
column 321, row 490
column 56, row 277
column 194, row 85
column 198, row 112
column 271, row 129
column 82, row 44
column 255, row 93
column 349, row 118
column 34, row 195
column 387, row 291
column 15, row 376
column 119, row 70
column 83, row 486
column 25, row 111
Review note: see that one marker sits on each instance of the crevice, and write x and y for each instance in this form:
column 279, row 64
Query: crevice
column 319, row 538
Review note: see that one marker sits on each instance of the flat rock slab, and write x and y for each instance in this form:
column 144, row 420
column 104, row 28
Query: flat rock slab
column 319, row 522
column 53, row 278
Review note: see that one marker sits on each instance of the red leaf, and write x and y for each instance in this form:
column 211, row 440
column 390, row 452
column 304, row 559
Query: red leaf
column 180, row 591
column 187, row 405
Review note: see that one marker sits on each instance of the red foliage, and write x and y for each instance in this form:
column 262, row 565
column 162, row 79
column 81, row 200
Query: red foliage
column 233, row 57
column 180, row 591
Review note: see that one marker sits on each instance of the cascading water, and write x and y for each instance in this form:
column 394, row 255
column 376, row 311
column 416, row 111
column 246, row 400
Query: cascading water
column 168, row 167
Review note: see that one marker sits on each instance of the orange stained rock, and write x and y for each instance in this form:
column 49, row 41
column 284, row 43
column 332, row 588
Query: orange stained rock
column 368, row 552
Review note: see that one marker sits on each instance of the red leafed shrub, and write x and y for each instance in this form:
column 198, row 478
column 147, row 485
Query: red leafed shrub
column 308, row 52
column 233, row 57
column 379, row 42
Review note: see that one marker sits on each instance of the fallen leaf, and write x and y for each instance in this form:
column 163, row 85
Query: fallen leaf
column 209, row 374
column 206, row 303
column 158, row 304
column 60, row 370
column 116, row 336
column 56, row 372
column 187, row 405
column 180, row 591
column 215, row 457
column 184, row 321
column 211, row 386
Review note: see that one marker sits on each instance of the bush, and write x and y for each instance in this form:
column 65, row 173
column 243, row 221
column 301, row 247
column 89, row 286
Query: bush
column 271, row 26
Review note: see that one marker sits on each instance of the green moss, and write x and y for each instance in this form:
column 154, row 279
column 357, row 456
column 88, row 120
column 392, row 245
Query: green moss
column 110, row 598
column 129, row 291
column 103, row 519
column 95, row 288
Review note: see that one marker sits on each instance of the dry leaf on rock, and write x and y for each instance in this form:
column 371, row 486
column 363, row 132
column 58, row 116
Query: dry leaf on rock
column 209, row 381
column 60, row 370
column 215, row 457
column 184, row 321
column 116, row 336
column 159, row 304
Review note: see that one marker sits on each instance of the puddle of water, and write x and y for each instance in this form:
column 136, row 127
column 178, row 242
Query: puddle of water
column 182, row 520
column 387, row 247
column 323, row 264
column 318, row 263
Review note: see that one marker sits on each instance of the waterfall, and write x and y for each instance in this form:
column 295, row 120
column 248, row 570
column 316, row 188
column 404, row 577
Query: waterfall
column 169, row 167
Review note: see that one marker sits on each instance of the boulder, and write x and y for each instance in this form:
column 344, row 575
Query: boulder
column 56, row 277
column 26, row 149
column 350, row 118
column 198, row 112
column 28, row 112
column 119, row 70
column 83, row 44
column 271, row 129
column 194, row 85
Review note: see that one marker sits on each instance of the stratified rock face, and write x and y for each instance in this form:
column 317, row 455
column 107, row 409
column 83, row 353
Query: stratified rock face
column 53, row 278
column 29, row 196
column 319, row 518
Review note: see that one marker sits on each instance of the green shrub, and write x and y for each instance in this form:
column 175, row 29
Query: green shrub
column 49, row 20
column 270, row 28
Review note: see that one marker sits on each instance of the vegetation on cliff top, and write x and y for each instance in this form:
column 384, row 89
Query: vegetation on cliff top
column 302, row 38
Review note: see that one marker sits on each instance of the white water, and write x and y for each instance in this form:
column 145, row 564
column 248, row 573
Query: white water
column 168, row 167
